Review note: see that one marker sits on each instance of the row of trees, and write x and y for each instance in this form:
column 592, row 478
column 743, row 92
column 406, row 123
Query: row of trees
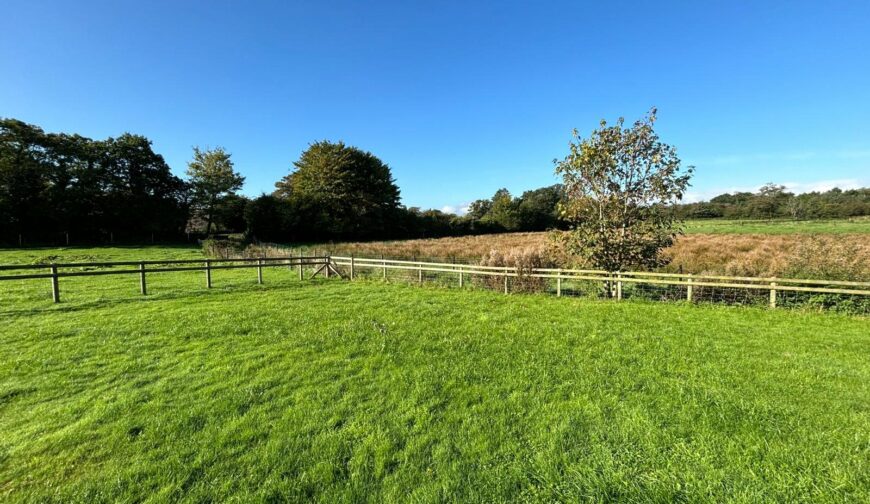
column 302, row 216
column 59, row 183
column 339, row 192
column 52, row 183
column 775, row 202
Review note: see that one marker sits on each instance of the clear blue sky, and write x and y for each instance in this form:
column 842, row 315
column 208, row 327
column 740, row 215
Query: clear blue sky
column 459, row 98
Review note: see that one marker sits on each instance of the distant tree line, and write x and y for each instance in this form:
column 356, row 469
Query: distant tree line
column 59, row 183
column 52, row 184
column 339, row 192
column 775, row 202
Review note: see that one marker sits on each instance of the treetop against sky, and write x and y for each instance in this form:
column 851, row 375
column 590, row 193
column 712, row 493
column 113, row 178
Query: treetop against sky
column 461, row 98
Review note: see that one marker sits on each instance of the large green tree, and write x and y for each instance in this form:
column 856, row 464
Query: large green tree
column 56, row 183
column 621, row 185
column 343, row 191
column 538, row 209
column 211, row 177
column 504, row 211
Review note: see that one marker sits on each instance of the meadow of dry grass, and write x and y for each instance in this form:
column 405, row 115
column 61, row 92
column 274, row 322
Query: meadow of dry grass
column 828, row 256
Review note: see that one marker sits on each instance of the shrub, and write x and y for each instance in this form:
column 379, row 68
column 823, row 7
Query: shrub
column 525, row 261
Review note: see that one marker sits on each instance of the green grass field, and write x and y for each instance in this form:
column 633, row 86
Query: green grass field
column 46, row 255
column 726, row 226
column 334, row 391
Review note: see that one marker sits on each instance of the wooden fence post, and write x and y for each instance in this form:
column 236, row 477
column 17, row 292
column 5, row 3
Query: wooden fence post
column 327, row 267
column 352, row 262
column 559, row 282
column 55, row 288
column 619, row 286
column 384, row 263
column 260, row 271
column 505, row 282
column 689, row 287
column 419, row 272
column 773, row 294
column 460, row 277
column 208, row 273
column 142, row 287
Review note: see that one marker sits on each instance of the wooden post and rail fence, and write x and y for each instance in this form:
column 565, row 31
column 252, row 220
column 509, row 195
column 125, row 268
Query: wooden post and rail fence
column 56, row 271
column 332, row 265
column 614, row 281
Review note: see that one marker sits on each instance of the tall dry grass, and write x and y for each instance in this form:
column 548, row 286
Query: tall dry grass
column 832, row 257
column 525, row 260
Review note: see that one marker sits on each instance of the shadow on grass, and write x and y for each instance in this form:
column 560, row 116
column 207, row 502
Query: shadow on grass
column 173, row 295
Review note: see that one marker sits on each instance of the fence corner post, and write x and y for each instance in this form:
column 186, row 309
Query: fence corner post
column 773, row 294
column 55, row 288
column 142, row 287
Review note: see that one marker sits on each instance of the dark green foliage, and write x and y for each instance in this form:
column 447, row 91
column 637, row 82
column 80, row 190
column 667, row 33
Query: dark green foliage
column 212, row 178
column 268, row 218
column 535, row 210
column 774, row 202
column 53, row 184
column 229, row 213
column 538, row 209
column 346, row 193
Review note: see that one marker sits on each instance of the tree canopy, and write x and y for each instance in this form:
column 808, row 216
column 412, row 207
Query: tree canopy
column 344, row 191
column 59, row 183
column 212, row 178
column 621, row 185
column 776, row 202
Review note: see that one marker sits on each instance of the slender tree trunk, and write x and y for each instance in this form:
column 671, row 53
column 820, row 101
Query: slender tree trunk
column 210, row 214
column 208, row 224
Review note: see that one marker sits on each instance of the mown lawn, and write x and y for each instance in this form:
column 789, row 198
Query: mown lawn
column 344, row 392
column 778, row 227
column 45, row 255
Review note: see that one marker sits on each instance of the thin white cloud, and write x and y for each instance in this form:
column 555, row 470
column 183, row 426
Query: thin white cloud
column 822, row 185
column 460, row 209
